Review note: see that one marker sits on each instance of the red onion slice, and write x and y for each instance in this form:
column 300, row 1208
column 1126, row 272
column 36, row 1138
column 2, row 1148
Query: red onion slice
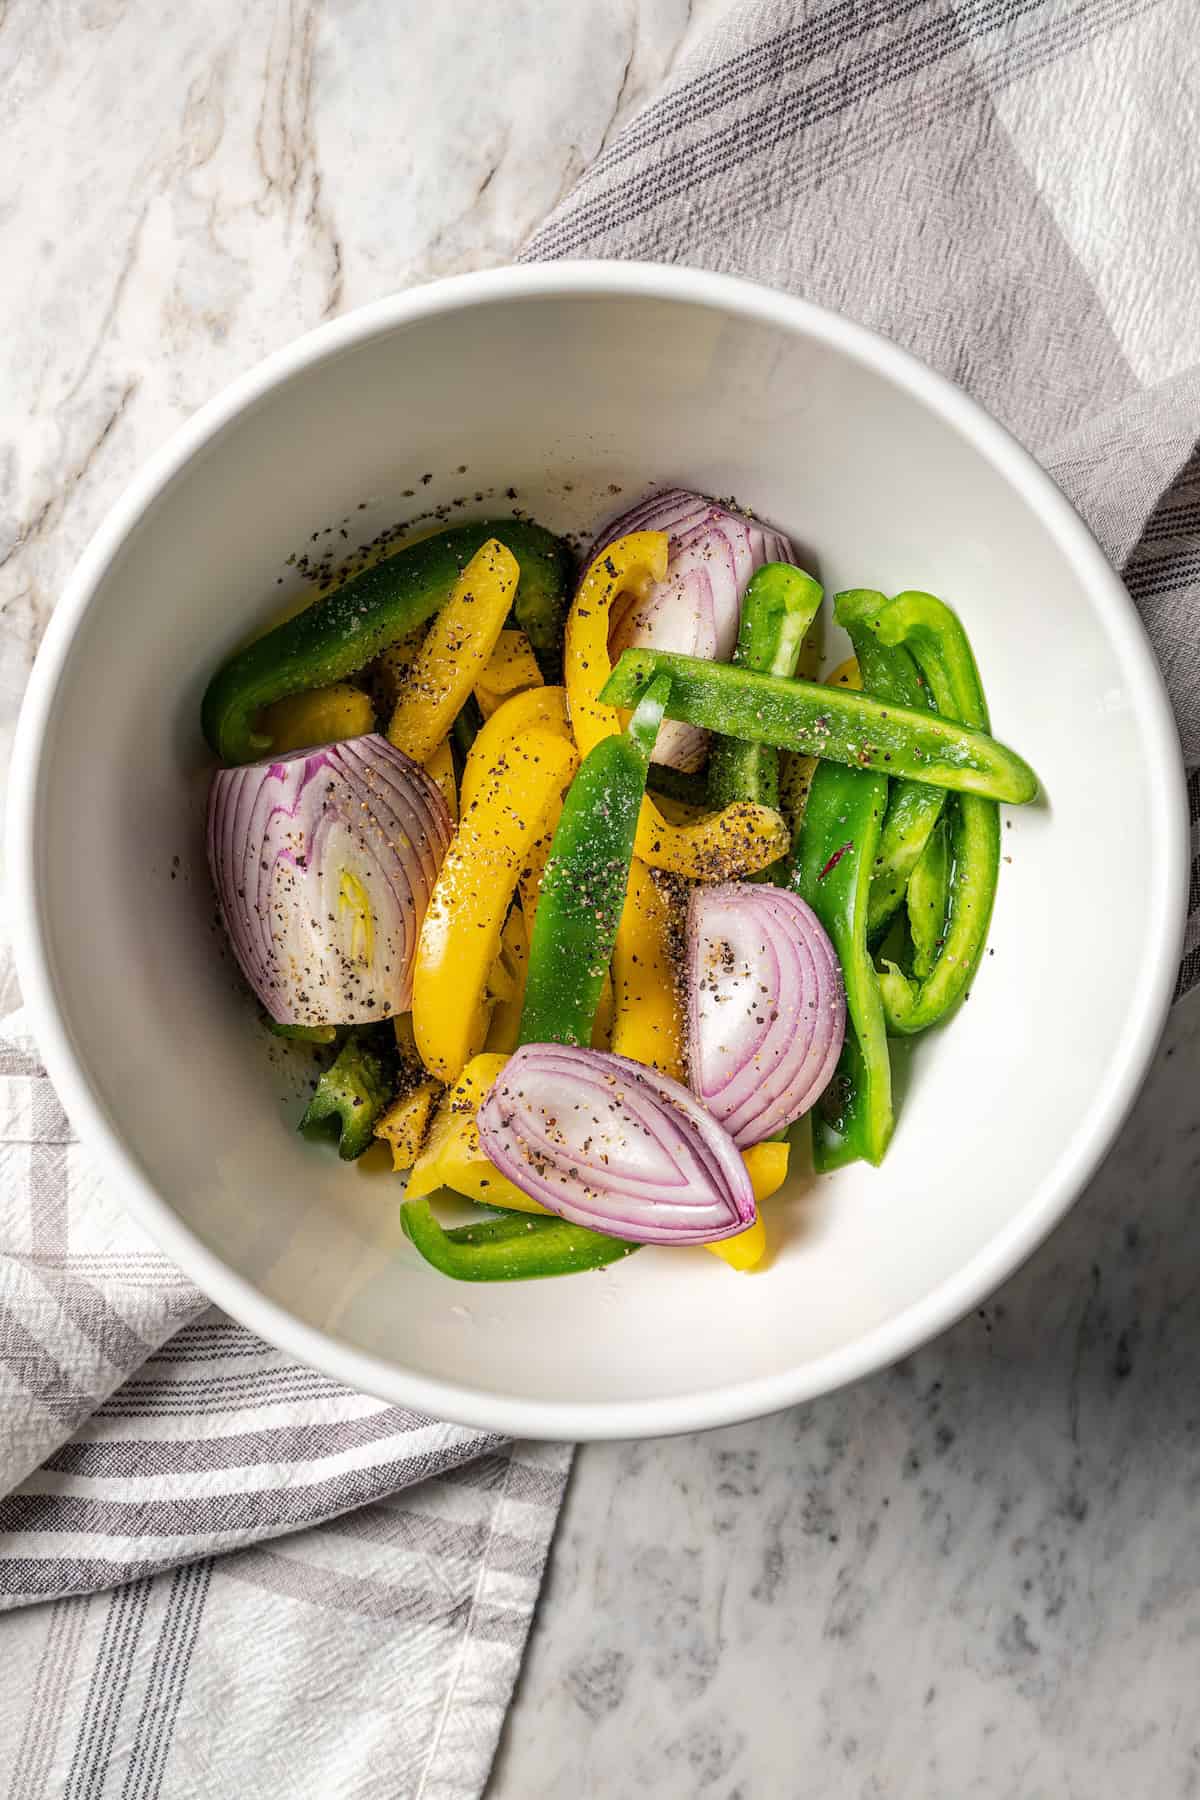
column 324, row 862
column 766, row 1007
column 713, row 552
column 606, row 1143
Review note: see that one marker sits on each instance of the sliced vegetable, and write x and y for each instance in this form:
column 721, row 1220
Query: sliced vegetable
column 914, row 808
column 511, row 669
column 460, row 937
column 647, row 1016
column 349, row 627
column 583, row 890
column 608, row 1144
column 352, row 1093
column 324, row 862
column 767, row 1167
column 936, row 638
column 403, row 1124
column 712, row 554
column 455, row 653
column 777, row 614
column 323, row 716
column 835, row 853
column 766, row 1007
column 440, row 769
column 506, row 984
column 834, row 724
column 466, row 728
column 542, row 708
column 452, row 1155
column 508, row 1249
column 928, row 890
column 740, row 839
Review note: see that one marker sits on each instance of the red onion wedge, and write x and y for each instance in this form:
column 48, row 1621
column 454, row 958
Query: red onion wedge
column 713, row 552
column 324, row 862
column 766, row 1007
column 606, row 1143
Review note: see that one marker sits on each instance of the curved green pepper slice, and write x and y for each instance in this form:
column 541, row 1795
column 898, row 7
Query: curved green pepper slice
column 914, row 808
column 936, row 638
column 835, row 724
column 835, row 853
column 518, row 1247
column 583, row 889
column 348, row 628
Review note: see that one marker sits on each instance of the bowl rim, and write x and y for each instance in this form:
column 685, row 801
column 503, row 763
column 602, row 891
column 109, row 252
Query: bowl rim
column 711, row 1406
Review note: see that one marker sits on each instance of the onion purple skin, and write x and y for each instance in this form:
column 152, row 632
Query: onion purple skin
column 606, row 1143
column 282, row 835
column 713, row 552
column 766, row 1006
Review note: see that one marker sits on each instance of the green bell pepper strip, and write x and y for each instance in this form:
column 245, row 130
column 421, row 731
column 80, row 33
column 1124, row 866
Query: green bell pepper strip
column 305, row 1034
column 835, row 724
column 517, row 1247
column 937, row 640
column 346, row 629
column 587, row 873
column 889, row 674
column 691, row 789
column 779, row 607
column 835, row 853
column 354, row 1091
column 928, row 891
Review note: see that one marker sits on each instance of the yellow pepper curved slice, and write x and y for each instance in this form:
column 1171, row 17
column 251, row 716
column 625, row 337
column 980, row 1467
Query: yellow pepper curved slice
column 506, row 984
column 440, row 767
column 767, row 1166
column 536, row 709
column 512, row 668
column 460, row 936
column 404, row 1124
column 647, row 1016
column 738, row 840
column 319, row 716
column 457, row 648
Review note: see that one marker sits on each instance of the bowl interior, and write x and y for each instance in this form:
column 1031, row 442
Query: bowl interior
column 580, row 402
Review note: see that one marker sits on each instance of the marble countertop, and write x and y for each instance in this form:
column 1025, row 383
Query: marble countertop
column 975, row 1575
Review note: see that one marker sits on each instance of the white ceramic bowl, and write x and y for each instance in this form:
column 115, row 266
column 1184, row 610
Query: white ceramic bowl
column 560, row 381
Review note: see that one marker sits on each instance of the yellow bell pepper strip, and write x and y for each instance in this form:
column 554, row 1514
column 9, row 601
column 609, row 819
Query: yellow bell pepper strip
column 745, row 1249
column 535, row 709
column 505, row 1249
column 453, row 1157
column 460, row 935
column 739, row 839
column 506, row 984
column 647, row 1016
column 767, row 1167
column 322, row 716
column 440, row 768
column 455, row 652
column 511, row 669
column 403, row 1126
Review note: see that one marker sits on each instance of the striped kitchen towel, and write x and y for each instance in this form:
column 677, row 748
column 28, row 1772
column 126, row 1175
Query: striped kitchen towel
column 324, row 1595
